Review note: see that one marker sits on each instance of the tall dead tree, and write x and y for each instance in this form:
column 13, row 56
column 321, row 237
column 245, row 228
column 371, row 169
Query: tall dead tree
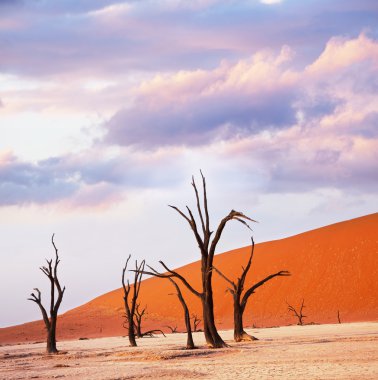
column 130, row 305
column 240, row 299
column 299, row 313
column 51, row 271
column 207, row 246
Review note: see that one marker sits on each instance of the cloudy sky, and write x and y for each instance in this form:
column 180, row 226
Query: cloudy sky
column 107, row 108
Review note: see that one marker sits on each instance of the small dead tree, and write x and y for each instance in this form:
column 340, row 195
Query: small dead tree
column 298, row 314
column 173, row 329
column 139, row 314
column 130, row 305
column 207, row 242
column 196, row 322
column 51, row 271
column 240, row 299
column 338, row 316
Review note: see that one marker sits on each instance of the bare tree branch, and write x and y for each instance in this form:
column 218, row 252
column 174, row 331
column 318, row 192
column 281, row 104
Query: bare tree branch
column 205, row 205
column 225, row 278
column 199, row 206
column 252, row 289
column 232, row 215
column 181, row 278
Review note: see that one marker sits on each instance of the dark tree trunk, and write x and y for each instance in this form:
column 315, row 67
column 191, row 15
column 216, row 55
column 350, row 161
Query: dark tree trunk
column 238, row 322
column 139, row 331
column 132, row 340
column 212, row 337
column 189, row 341
column 239, row 334
column 51, row 339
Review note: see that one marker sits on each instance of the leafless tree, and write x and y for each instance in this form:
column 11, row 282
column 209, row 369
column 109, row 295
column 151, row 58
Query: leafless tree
column 173, row 329
column 338, row 316
column 139, row 314
column 189, row 342
column 240, row 299
column 51, row 271
column 298, row 314
column 130, row 305
column 196, row 322
column 207, row 243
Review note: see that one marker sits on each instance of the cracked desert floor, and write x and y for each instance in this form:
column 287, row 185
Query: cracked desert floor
column 339, row 351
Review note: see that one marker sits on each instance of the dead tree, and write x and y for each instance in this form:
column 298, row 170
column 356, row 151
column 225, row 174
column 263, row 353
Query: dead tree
column 172, row 329
column 130, row 305
column 189, row 342
column 207, row 243
column 196, row 322
column 139, row 313
column 51, row 271
column 338, row 316
column 298, row 314
column 240, row 299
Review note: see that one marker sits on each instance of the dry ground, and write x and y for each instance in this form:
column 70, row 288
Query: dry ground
column 345, row 351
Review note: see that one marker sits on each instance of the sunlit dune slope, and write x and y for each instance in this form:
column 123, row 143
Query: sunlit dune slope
column 333, row 269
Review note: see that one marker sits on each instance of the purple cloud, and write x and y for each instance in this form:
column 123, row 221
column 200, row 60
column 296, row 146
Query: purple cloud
column 22, row 183
column 264, row 93
column 201, row 120
column 56, row 38
column 81, row 180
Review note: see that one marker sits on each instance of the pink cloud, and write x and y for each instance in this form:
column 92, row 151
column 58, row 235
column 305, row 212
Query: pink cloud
column 298, row 128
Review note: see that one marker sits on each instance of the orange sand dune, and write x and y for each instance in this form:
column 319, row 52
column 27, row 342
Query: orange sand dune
column 333, row 268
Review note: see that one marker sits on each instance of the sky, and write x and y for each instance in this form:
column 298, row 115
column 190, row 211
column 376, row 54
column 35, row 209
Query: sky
column 107, row 109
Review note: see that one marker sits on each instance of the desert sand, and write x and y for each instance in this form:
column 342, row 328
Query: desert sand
column 334, row 268
column 339, row 351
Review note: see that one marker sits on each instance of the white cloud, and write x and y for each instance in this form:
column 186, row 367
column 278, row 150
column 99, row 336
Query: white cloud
column 271, row 2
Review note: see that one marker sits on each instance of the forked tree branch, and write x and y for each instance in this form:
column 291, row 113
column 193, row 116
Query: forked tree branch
column 236, row 215
column 171, row 273
column 252, row 289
